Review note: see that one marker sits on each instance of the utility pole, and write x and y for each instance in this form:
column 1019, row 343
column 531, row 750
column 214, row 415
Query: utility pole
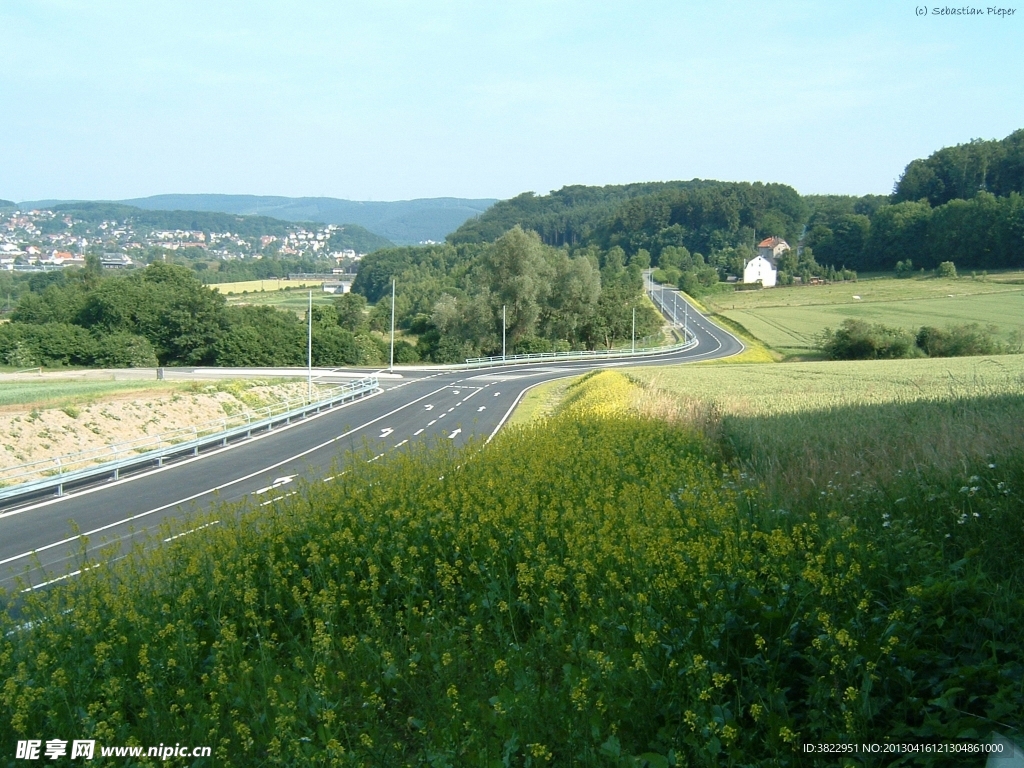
column 503, row 306
column 392, row 366
column 634, row 331
column 309, row 350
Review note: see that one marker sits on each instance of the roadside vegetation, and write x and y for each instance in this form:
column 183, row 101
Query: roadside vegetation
column 664, row 570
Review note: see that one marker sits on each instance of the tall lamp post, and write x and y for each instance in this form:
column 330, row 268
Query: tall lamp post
column 634, row 331
column 391, row 367
column 309, row 350
column 503, row 332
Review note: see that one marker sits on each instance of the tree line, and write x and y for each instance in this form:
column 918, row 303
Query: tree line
column 163, row 315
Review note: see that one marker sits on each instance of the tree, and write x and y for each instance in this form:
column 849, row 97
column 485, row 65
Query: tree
column 946, row 269
column 519, row 279
column 351, row 310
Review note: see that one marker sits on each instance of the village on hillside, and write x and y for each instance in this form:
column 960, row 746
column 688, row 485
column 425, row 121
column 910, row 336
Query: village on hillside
column 42, row 240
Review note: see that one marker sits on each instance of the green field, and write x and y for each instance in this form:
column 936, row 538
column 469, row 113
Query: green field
column 293, row 299
column 54, row 393
column 272, row 284
column 790, row 319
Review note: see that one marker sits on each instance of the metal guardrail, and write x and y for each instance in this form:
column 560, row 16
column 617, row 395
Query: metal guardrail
column 62, row 477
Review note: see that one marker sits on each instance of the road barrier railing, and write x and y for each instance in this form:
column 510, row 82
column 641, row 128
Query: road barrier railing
column 119, row 459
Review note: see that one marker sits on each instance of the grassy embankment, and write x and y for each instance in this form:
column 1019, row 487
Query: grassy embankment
column 720, row 583
column 791, row 318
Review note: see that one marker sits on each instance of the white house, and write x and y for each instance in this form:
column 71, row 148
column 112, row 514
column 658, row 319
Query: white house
column 763, row 268
column 760, row 270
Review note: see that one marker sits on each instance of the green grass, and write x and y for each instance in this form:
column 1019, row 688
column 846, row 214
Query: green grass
column 56, row 393
column 790, row 319
column 293, row 299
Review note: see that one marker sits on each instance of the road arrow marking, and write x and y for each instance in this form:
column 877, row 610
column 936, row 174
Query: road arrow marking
column 386, row 431
column 429, row 407
column 497, row 393
column 453, row 434
column 481, row 408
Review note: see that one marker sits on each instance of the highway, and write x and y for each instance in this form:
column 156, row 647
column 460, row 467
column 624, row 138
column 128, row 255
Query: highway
column 45, row 542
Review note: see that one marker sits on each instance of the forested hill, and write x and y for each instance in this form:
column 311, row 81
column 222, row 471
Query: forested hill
column 406, row 222
column 352, row 236
column 961, row 172
column 701, row 215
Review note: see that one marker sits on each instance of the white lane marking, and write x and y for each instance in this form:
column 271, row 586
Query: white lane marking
column 453, row 434
column 399, row 445
column 385, row 432
column 432, row 423
column 457, row 404
column 417, row 432
column 277, row 498
column 198, row 494
column 278, row 482
column 186, row 533
column 428, row 407
column 442, row 415
column 450, row 409
column 481, row 408
column 375, row 457
column 59, row 578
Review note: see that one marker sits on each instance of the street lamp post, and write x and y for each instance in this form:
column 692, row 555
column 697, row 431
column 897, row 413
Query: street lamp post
column 503, row 306
column 309, row 350
column 633, row 351
column 391, row 367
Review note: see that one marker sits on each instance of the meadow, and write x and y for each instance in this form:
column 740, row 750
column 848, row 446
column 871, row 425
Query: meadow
column 622, row 583
column 56, row 393
column 791, row 318
column 270, row 284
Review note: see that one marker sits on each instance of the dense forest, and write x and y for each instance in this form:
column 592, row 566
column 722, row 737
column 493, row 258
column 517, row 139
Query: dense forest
column 962, row 204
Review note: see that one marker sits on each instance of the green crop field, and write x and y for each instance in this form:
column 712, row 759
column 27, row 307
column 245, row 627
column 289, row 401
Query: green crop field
column 53, row 393
column 271, row 284
column 790, row 319
column 293, row 299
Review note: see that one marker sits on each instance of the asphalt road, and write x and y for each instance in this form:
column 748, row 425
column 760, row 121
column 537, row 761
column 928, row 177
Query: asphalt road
column 46, row 542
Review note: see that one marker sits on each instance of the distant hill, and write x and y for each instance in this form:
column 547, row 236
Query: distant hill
column 8, row 204
column 405, row 222
column 348, row 236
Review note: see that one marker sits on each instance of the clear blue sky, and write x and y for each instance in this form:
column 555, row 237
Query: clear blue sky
column 383, row 100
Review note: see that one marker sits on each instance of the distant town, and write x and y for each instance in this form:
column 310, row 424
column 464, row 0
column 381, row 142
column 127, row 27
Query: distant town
column 41, row 240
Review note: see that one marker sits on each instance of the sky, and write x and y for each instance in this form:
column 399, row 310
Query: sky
column 391, row 100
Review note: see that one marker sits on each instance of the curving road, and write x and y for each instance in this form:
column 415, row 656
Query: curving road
column 43, row 543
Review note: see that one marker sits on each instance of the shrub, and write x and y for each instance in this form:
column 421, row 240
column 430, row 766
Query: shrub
column 958, row 341
column 858, row 340
column 946, row 269
column 125, row 350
